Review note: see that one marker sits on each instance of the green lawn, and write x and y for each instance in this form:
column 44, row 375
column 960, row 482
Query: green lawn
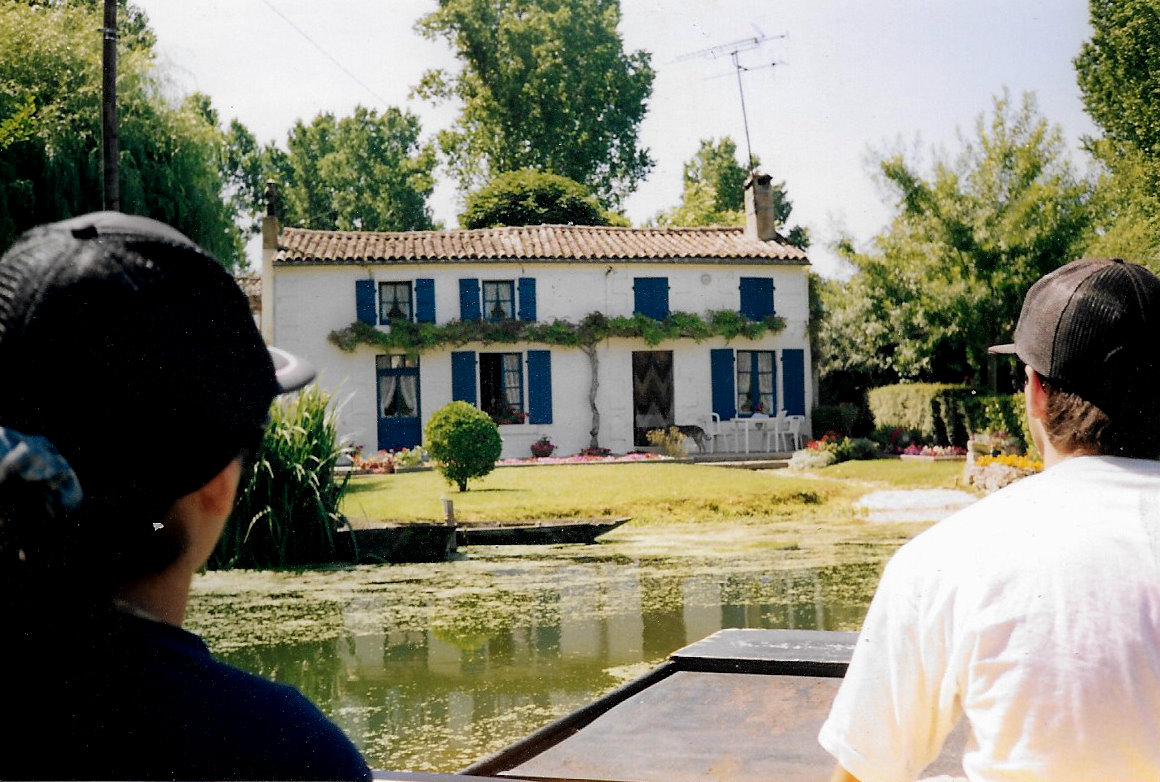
column 693, row 506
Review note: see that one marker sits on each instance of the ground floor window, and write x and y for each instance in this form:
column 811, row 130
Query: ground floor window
column 501, row 387
column 755, row 382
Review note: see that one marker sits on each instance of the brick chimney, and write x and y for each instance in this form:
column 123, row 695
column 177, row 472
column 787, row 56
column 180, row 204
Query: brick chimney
column 760, row 221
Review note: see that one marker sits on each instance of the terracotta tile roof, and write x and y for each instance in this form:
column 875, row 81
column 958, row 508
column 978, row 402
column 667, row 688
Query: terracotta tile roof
column 547, row 243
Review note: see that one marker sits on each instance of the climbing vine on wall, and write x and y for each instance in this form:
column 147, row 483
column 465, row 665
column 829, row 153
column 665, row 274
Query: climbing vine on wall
column 415, row 338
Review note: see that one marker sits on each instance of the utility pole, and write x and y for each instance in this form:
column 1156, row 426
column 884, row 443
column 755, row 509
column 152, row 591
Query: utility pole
column 111, row 192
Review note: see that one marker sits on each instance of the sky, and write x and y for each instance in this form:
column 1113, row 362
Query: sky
column 849, row 78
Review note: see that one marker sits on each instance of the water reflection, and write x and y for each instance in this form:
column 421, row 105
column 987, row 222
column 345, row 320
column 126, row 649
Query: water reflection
column 438, row 692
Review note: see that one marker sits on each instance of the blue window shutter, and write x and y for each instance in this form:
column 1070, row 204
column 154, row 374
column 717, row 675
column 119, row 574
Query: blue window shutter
column 425, row 301
column 724, row 389
column 539, row 386
column 756, row 297
column 364, row 297
column 651, row 297
column 469, row 299
column 793, row 381
column 463, row 376
column 527, row 295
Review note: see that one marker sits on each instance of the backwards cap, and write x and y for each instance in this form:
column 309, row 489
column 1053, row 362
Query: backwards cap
column 135, row 353
column 1093, row 327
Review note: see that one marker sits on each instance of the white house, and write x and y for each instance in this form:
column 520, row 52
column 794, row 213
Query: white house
column 609, row 391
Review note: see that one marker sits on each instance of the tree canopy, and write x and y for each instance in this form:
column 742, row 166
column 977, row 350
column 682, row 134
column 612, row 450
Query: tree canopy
column 714, row 192
column 1116, row 71
column 530, row 197
column 366, row 172
column 544, row 84
column 946, row 279
column 50, row 136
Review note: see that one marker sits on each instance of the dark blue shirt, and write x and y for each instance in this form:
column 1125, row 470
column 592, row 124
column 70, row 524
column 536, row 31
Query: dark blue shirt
column 148, row 701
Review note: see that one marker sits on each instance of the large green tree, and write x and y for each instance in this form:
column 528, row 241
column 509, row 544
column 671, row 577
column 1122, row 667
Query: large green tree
column 1117, row 71
column 50, row 159
column 544, row 84
column 946, row 279
column 530, row 197
column 713, row 192
column 368, row 171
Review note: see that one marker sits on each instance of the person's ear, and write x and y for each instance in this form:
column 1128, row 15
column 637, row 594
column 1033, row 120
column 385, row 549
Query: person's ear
column 216, row 498
column 1036, row 395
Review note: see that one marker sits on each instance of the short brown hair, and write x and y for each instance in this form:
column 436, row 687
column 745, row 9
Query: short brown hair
column 1076, row 426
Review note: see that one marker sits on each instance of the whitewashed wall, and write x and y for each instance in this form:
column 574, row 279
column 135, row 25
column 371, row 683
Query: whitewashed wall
column 309, row 302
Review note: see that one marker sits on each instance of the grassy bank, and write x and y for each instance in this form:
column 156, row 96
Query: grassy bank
column 676, row 508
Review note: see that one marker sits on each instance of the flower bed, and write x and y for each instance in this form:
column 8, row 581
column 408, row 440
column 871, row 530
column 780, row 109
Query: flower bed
column 934, row 453
column 583, row 459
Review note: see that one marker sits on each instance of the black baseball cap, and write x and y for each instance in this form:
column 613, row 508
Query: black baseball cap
column 135, row 353
column 1093, row 327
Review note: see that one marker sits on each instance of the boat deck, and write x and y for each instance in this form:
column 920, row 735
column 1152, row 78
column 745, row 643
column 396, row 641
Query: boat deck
column 739, row 706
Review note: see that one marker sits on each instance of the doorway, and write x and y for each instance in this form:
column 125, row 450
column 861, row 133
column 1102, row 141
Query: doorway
column 400, row 419
column 652, row 392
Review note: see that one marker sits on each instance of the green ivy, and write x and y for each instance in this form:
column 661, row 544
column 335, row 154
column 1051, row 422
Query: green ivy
column 416, row 338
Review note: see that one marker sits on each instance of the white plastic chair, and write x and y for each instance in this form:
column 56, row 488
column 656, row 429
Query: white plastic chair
column 776, row 433
column 715, row 431
column 794, row 424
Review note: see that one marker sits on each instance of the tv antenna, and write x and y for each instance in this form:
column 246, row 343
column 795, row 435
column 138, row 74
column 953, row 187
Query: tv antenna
column 733, row 50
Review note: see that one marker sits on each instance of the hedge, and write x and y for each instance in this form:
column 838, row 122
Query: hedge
column 946, row 414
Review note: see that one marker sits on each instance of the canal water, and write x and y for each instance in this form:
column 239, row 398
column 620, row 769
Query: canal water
column 430, row 667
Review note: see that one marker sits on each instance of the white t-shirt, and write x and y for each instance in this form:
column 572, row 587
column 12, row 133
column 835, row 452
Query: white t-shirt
column 1036, row 613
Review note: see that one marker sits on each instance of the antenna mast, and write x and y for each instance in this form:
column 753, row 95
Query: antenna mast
column 734, row 49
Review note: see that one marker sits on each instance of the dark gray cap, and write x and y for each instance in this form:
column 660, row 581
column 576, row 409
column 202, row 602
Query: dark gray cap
column 1093, row 327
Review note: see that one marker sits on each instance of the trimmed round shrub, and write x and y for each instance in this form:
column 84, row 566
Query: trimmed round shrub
column 464, row 441
column 809, row 459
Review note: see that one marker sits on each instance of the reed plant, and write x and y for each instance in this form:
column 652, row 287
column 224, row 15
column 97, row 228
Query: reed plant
column 287, row 508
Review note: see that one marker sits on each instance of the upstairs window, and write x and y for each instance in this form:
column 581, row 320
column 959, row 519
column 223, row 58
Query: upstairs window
column 395, row 304
column 755, row 382
column 756, row 297
column 651, row 297
column 499, row 299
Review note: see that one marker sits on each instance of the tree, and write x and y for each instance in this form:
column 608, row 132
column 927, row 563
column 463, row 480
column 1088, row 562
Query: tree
column 530, row 197
column 464, row 441
column 364, row 172
column 714, row 192
column 1116, row 71
column 946, row 279
column 544, row 84
column 50, row 130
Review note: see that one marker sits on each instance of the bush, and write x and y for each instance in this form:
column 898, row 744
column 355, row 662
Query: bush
column 936, row 410
column 287, row 508
column 670, row 440
column 464, row 441
column 862, row 449
column 895, row 439
column 846, row 419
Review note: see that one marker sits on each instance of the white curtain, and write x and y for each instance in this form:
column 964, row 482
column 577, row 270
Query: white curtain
column 408, row 390
column 387, row 385
column 511, row 381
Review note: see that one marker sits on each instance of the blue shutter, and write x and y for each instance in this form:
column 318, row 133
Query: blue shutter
column 527, row 293
column 469, row 299
column 651, row 297
column 793, row 381
column 724, row 383
column 539, row 386
column 364, row 298
column 756, row 297
column 463, row 376
column 425, row 301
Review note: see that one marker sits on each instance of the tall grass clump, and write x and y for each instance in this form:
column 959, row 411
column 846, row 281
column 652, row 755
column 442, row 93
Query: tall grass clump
column 287, row 507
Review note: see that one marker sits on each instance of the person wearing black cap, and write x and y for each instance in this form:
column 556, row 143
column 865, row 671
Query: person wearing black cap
column 1035, row 613
column 135, row 383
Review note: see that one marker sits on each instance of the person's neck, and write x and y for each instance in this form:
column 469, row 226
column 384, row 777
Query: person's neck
column 162, row 596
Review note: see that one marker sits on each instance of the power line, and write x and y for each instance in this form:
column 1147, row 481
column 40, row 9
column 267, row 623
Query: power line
column 383, row 101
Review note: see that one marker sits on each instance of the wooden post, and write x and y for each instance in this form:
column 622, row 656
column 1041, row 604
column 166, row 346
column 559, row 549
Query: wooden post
column 111, row 194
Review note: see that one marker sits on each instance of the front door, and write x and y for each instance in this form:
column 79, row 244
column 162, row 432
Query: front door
column 400, row 422
column 652, row 392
